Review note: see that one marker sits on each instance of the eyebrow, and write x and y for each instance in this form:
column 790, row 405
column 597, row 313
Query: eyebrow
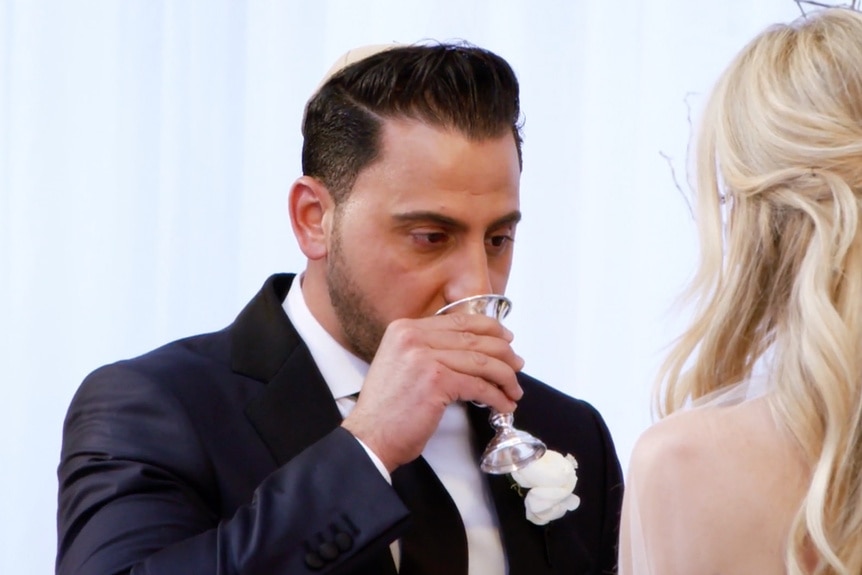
column 434, row 217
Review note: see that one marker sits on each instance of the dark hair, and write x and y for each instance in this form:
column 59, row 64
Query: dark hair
column 457, row 86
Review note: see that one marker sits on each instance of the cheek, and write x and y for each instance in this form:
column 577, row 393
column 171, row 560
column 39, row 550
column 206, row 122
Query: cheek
column 378, row 257
column 401, row 288
column 379, row 274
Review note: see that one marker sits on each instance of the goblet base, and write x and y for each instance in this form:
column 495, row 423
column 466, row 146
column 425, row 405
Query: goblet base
column 511, row 449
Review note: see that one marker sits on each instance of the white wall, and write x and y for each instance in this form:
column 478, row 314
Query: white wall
column 146, row 150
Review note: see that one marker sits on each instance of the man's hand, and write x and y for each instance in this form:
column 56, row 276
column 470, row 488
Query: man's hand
column 422, row 366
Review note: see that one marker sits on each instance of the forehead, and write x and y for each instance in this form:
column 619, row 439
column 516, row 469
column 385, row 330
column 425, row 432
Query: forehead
column 424, row 164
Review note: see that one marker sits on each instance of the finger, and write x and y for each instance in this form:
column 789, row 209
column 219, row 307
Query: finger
column 413, row 335
column 478, row 324
column 483, row 392
column 481, row 344
column 475, row 370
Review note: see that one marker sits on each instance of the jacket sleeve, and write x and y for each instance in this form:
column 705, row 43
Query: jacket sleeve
column 137, row 496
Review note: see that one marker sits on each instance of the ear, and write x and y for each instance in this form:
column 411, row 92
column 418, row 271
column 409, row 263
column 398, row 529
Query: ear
column 311, row 211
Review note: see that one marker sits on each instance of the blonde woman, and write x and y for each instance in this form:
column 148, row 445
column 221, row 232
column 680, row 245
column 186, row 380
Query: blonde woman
column 756, row 465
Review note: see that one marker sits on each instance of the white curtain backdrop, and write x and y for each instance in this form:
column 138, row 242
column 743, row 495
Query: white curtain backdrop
column 147, row 146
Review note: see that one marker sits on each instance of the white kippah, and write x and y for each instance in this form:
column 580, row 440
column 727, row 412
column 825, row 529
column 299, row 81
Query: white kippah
column 351, row 57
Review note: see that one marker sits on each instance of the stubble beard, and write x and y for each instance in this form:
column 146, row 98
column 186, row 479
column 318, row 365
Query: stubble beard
column 356, row 316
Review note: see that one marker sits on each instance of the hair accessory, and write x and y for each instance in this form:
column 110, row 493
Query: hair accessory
column 854, row 5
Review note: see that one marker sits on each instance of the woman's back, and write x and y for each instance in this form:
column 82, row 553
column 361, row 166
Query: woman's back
column 712, row 490
column 769, row 485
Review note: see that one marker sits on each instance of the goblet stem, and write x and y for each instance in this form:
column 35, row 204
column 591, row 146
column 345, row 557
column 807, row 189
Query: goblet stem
column 499, row 419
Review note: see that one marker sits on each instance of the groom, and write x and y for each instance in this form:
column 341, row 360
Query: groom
column 252, row 451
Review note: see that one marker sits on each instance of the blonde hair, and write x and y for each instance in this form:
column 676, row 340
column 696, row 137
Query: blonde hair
column 781, row 142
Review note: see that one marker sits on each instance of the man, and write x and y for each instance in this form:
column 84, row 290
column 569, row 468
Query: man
column 251, row 450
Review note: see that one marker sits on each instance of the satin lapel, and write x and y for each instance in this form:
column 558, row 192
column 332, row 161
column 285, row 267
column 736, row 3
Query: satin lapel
column 296, row 408
column 525, row 543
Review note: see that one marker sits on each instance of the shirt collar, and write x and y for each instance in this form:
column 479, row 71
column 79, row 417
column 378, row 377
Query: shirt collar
column 342, row 370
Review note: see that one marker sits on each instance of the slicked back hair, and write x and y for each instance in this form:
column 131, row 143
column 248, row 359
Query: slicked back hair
column 451, row 86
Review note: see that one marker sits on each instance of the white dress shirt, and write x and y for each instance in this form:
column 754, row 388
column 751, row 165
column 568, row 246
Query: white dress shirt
column 448, row 451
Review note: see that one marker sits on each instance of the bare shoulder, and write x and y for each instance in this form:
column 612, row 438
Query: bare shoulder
column 707, row 480
column 683, row 439
column 698, row 433
column 715, row 446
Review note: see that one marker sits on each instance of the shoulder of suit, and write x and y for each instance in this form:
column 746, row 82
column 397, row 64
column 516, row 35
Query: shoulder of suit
column 536, row 391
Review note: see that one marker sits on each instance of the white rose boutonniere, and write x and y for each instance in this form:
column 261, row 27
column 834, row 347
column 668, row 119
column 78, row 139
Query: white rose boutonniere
column 551, row 483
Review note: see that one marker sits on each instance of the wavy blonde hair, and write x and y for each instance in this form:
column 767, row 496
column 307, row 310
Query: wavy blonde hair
column 781, row 142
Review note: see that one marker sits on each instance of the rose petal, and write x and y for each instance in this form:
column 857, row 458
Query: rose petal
column 542, row 498
column 544, row 505
column 571, row 502
column 550, row 469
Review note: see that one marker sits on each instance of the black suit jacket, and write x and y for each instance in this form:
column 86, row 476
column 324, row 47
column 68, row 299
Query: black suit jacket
column 223, row 454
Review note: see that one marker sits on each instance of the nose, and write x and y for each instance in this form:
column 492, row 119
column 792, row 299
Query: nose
column 470, row 274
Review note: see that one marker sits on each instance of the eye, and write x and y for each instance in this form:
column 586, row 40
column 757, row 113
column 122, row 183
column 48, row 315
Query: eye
column 431, row 239
column 498, row 242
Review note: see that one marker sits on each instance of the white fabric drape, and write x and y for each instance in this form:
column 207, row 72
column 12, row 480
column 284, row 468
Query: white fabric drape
column 146, row 148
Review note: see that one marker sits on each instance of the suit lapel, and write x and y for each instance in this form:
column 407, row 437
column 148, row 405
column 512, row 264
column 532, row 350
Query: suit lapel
column 295, row 410
column 296, row 407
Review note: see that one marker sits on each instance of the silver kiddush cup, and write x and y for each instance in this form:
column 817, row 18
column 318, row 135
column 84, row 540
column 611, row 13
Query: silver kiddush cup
column 510, row 449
